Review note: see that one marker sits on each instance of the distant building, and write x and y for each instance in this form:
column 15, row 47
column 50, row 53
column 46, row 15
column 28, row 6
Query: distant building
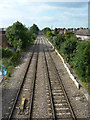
column 70, row 30
column 65, row 30
column 84, row 34
column 60, row 31
column 3, row 38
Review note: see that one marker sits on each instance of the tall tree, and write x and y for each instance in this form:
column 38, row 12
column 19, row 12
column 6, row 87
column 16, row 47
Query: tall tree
column 17, row 35
column 55, row 31
column 34, row 29
column 45, row 30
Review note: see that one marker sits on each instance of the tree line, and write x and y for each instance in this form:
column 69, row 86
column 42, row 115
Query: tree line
column 74, row 51
column 19, row 36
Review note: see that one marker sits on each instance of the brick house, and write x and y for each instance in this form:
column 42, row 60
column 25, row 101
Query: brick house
column 70, row 30
column 60, row 30
column 3, row 38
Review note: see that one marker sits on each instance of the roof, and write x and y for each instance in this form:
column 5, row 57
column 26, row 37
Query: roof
column 2, row 29
column 85, row 32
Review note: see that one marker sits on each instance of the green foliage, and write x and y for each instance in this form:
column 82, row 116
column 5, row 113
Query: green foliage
column 49, row 34
column 16, row 34
column 69, row 47
column 10, row 59
column 60, row 38
column 17, row 44
column 81, row 61
column 55, row 31
column 45, row 30
column 9, row 66
column 15, row 59
column 69, row 35
column 19, row 36
column 34, row 29
column 76, row 52
column 6, row 53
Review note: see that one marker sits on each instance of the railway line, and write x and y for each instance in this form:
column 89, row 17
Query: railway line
column 58, row 100
column 58, row 104
column 24, row 99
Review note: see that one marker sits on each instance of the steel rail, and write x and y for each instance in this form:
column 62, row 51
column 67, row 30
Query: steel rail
column 50, row 88
column 63, row 88
column 19, row 90
column 33, row 88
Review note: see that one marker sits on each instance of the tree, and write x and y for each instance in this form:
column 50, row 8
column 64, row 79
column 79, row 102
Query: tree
column 34, row 29
column 49, row 34
column 17, row 35
column 58, row 40
column 45, row 30
column 55, row 31
column 69, row 47
column 69, row 34
column 81, row 61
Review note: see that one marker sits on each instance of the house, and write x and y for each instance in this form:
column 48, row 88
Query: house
column 70, row 30
column 3, row 38
column 60, row 31
column 84, row 34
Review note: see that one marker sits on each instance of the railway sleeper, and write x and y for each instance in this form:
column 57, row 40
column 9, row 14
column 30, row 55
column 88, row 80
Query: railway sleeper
column 61, row 104
column 66, row 114
column 59, row 101
column 57, row 94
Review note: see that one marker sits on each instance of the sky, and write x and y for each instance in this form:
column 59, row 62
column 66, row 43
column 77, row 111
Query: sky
column 44, row 13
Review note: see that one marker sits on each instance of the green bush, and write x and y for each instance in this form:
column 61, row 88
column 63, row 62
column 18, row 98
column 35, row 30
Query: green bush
column 59, row 39
column 6, row 53
column 15, row 59
column 69, row 47
column 81, row 61
column 76, row 52
column 11, row 61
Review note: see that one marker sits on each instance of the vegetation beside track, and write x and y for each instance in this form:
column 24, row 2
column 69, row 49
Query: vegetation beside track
column 19, row 38
column 75, row 52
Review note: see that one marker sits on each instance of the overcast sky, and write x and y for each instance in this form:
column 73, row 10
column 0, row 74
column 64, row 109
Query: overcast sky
column 47, row 13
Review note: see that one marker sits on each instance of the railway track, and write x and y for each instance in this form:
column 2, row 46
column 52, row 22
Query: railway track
column 23, row 102
column 59, row 104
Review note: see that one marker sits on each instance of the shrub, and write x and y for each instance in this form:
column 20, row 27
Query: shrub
column 69, row 47
column 6, row 53
column 15, row 59
column 81, row 61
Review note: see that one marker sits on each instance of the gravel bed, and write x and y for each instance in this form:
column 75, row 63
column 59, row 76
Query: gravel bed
column 25, row 93
column 40, row 101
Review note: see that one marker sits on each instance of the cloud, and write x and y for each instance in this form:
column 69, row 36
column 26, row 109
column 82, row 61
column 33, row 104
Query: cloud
column 43, row 13
column 68, row 4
